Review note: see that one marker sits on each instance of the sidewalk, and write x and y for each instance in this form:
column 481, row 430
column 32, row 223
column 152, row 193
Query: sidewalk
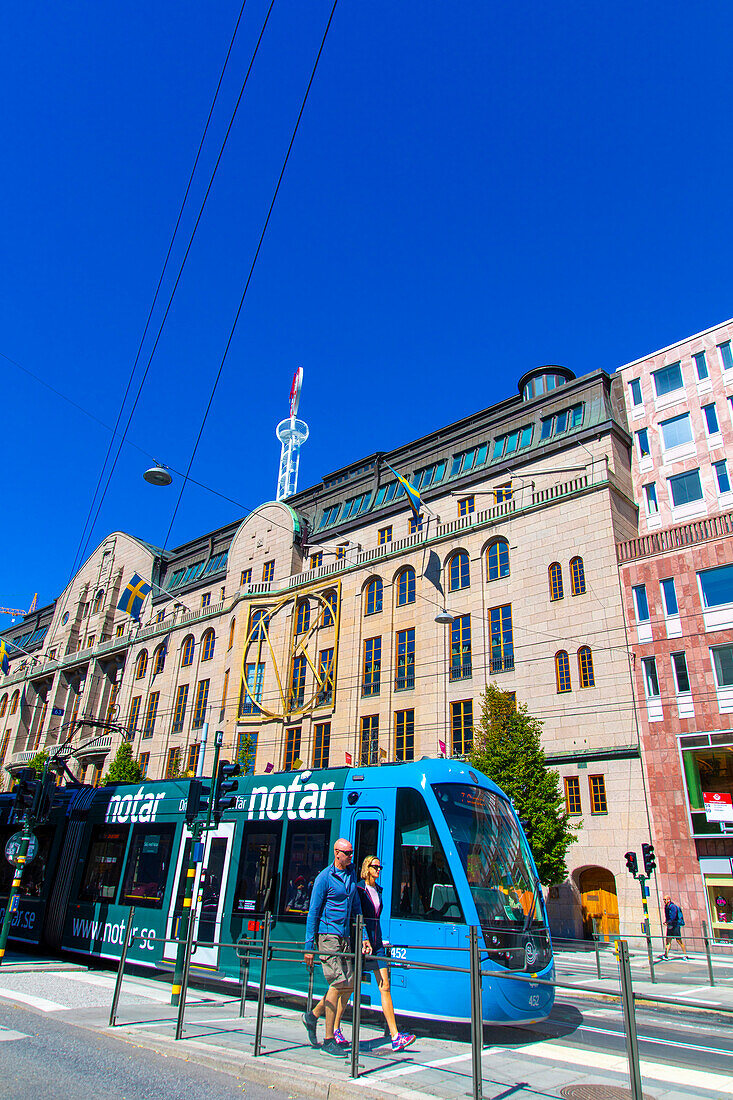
column 517, row 1063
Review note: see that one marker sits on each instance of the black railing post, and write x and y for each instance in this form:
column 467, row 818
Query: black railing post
column 263, row 986
column 706, row 941
column 186, row 971
column 627, row 1002
column 358, row 969
column 477, row 1015
column 121, row 968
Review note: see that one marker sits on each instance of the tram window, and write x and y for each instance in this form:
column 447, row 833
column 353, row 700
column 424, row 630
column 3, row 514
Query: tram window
column 367, row 843
column 306, row 855
column 211, row 891
column 257, row 865
column 31, row 885
column 104, row 863
column 423, row 886
column 148, row 865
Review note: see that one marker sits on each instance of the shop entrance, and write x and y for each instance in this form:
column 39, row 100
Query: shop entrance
column 598, row 902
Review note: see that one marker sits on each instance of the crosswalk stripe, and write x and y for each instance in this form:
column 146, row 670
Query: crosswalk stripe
column 7, row 1036
column 35, row 1002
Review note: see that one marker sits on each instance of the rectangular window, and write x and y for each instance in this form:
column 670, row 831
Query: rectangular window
column 205, row 599
column 512, row 442
column 650, row 496
column 179, row 712
column 292, row 748
column 526, row 437
column 405, row 677
column 642, row 442
column 723, row 665
column 681, row 676
column 144, row 761
column 325, row 677
column 372, row 666
column 503, row 492
column 306, row 853
column 192, row 761
column 202, row 699
column 148, row 866
column 172, row 764
column 257, row 869
column 404, row 734
column 669, row 595
column 247, row 751
column 461, row 721
column 340, row 553
column 297, row 681
column 384, row 535
column 726, row 357
column 685, row 488
column 460, row 648
column 701, row 365
column 721, row 476
column 466, row 506
column 561, row 421
column 317, row 559
column 573, row 805
column 369, row 740
column 321, row 744
column 598, row 804
column 268, row 571
column 245, row 577
column 668, row 379
column 651, row 680
column 716, row 586
column 711, row 419
column 104, row 863
column 134, row 713
column 635, row 390
column 119, row 631
column 676, row 431
column 252, row 696
column 501, row 638
column 149, row 727
column 415, row 525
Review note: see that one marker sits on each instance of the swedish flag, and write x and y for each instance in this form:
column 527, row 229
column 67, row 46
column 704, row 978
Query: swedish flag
column 133, row 596
column 4, row 662
column 412, row 494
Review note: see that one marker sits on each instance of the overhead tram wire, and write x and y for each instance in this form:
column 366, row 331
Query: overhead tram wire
column 178, row 278
column 251, row 270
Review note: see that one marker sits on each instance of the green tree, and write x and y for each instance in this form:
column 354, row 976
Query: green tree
column 124, row 769
column 38, row 763
column 507, row 748
column 245, row 754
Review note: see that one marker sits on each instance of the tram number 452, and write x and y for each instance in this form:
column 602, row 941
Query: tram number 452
column 534, row 1000
column 397, row 952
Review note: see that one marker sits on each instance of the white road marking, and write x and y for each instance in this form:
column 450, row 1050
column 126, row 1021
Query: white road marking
column 652, row 1039
column 6, row 1035
column 418, row 1068
column 35, row 1002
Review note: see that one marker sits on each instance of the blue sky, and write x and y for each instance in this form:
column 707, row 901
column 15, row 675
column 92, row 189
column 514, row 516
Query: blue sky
column 474, row 189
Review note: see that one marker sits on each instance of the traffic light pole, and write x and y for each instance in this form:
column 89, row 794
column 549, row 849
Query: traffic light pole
column 198, row 828
column 647, row 927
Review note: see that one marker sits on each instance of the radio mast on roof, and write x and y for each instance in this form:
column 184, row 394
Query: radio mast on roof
column 292, row 434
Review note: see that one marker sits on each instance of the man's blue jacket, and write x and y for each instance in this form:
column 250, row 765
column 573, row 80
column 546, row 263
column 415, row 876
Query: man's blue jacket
column 333, row 901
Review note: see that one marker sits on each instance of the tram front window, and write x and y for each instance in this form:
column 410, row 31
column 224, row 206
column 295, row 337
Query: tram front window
column 494, row 856
column 423, row 886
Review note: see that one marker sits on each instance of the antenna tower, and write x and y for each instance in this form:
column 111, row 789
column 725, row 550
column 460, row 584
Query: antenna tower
column 292, row 434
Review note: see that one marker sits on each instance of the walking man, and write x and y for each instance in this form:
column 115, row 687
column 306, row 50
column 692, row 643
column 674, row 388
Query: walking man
column 333, row 901
column 674, row 920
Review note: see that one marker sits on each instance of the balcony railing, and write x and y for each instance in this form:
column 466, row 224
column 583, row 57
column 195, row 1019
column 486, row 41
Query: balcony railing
column 324, row 698
column 247, row 709
column 461, row 671
column 370, row 689
column 676, row 538
column 404, row 682
column 502, row 664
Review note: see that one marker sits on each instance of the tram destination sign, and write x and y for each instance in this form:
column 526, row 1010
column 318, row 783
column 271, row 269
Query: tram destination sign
column 12, row 848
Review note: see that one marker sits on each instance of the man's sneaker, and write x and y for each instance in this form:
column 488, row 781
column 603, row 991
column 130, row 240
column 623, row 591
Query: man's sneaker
column 330, row 1046
column 310, row 1022
column 341, row 1038
column 401, row 1041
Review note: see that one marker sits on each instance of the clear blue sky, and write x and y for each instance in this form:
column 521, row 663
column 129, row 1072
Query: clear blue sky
column 475, row 189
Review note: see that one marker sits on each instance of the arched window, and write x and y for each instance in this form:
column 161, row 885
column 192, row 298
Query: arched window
column 585, row 667
column 188, row 647
column 577, row 576
column 159, row 659
column 3, row 706
column 232, row 628
column 555, row 575
column 373, row 596
column 458, row 575
column 497, row 559
column 14, row 702
column 406, row 586
column 98, row 601
column 303, row 617
column 329, row 611
column 562, row 671
column 141, row 664
column 207, row 645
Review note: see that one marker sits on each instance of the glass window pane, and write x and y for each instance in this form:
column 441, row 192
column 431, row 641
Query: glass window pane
column 717, row 586
column 257, row 867
column 723, row 662
column 423, row 886
column 701, row 365
column 104, row 863
column 652, row 504
column 667, row 379
column 561, row 421
column 679, row 664
column 676, row 431
column 307, row 854
column 498, row 447
column 686, row 488
column 651, row 681
column 725, row 355
column 148, row 865
column 641, row 602
column 511, row 442
column 721, row 473
column 635, row 388
column 711, row 419
column 526, row 436
column 642, row 439
column 546, row 431
column 670, row 596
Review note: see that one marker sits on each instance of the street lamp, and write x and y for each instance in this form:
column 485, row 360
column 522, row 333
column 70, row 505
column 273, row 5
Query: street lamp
column 157, row 475
column 444, row 618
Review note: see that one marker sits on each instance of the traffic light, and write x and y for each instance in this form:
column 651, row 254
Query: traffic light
column 631, row 863
column 650, row 860
column 225, row 782
column 198, row 800
column 43, row 800
column 25, row 792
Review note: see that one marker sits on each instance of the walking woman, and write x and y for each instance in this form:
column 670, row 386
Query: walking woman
column 370, row 895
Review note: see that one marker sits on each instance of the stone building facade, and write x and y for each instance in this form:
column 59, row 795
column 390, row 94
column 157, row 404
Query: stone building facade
column 307, row 632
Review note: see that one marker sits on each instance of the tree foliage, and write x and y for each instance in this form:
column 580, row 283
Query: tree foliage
column 38, row 763
column 507, row 748
column 245, row 755
column 124, row 769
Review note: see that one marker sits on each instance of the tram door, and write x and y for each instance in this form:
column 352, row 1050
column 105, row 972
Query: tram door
column 207, row 929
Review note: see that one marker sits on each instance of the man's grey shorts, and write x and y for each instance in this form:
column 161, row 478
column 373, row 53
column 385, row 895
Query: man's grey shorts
column 338, row 968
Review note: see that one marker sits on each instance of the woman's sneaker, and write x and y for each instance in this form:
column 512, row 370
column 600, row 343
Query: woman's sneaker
column 401, row 1041
column 330, row 1046
column 341, row 1038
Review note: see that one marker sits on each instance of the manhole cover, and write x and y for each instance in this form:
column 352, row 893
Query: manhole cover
column 597, row 1092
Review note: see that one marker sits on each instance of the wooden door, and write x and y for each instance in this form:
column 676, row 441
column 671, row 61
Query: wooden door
column 598, row 900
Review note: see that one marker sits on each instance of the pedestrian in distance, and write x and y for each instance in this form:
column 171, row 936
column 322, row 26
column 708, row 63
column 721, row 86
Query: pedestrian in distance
column 333, row 902
column 674, row 919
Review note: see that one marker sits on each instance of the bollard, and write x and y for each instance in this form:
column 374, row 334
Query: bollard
column 627, row 1002
column 706, row 941
column 263, row 986
column 598, row 953
column 358, row 969
column 121, row 968
column 186, row 971
column 477, row 1015
column 243, row 974
column 650, row 952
